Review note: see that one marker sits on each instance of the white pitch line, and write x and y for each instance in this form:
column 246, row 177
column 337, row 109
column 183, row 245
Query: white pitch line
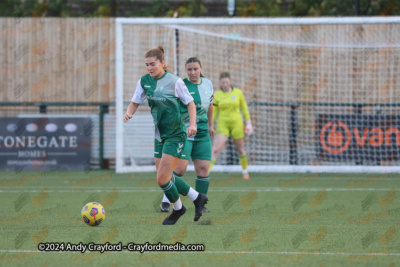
column 311, row 253
column 221, row 190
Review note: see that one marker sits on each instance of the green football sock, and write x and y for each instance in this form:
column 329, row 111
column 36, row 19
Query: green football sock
column 182, row 187
column 211, row 164
column 170, row 191
column 176, row 175
column 243, row 161
column 202, row 184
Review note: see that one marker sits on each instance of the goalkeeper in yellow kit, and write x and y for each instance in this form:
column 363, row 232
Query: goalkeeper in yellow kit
column 228, row 103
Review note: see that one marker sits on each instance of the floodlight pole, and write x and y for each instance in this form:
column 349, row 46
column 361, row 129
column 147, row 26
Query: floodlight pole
column 113, row 5
column 357, row 7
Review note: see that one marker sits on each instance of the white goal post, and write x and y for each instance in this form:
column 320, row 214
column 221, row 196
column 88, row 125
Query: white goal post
column 323, row 93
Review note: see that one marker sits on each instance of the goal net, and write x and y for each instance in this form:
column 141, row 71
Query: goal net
column 323, row 93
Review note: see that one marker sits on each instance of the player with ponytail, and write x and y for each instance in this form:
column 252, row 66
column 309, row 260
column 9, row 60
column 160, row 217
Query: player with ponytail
column 166, row 93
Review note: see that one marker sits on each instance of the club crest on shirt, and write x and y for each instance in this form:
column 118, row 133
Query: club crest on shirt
column 233, row 97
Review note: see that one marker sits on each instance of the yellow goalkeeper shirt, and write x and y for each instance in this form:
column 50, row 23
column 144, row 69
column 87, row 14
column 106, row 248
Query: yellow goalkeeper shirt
column 227, row 106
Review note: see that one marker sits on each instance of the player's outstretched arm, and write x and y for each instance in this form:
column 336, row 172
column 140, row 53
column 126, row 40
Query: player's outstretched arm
column 130, row 111
column 138, row 97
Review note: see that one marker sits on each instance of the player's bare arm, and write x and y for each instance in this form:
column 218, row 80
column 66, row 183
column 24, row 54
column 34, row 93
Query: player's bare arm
column 130, row 111
column 192, row 129
column 210, row 120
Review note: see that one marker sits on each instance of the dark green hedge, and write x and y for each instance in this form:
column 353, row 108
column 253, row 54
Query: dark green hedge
column 194, row 8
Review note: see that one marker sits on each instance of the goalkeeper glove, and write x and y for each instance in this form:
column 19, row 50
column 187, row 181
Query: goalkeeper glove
column 249, row 128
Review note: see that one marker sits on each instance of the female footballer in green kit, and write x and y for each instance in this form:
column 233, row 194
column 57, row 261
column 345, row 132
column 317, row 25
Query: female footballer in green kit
column 164, row 92
column 228, row 102
column 198, row 147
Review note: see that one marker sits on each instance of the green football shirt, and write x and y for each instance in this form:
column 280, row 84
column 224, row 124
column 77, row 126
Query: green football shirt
column 203, row 96
column 164, row 95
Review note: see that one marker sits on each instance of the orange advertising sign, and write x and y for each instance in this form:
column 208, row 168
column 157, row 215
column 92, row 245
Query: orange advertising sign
column 359, row 137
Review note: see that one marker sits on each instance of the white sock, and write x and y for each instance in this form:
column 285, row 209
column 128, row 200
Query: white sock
column 193, row 194
column 245, row 171
column 165, row 199
column 177, row 205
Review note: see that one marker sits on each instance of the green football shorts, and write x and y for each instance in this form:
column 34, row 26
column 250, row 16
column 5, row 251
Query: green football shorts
column 199, row 148
column 173, row 146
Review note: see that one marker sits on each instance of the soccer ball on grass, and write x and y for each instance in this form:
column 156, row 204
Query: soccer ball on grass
column 93, row 214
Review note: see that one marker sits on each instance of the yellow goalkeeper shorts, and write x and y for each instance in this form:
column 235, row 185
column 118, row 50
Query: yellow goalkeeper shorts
column 236, row 129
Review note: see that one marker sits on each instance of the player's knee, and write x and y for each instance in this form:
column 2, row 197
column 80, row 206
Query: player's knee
column 162, row 179
column 179, row 172
column 216, row 150
column 161, row 182
column 202, row 171
column 241, row 151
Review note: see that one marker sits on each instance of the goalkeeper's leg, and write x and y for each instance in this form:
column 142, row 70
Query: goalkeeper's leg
column 219, row 143
column 239, row 143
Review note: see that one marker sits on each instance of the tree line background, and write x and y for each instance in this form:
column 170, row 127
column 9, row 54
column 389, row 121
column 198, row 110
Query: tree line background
column 195, row 8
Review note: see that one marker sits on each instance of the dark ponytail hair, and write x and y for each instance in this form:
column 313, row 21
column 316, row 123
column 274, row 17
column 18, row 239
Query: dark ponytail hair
column 194, row 60
column 157, row 53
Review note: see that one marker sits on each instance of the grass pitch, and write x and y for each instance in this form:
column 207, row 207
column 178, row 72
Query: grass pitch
column 272, row 219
